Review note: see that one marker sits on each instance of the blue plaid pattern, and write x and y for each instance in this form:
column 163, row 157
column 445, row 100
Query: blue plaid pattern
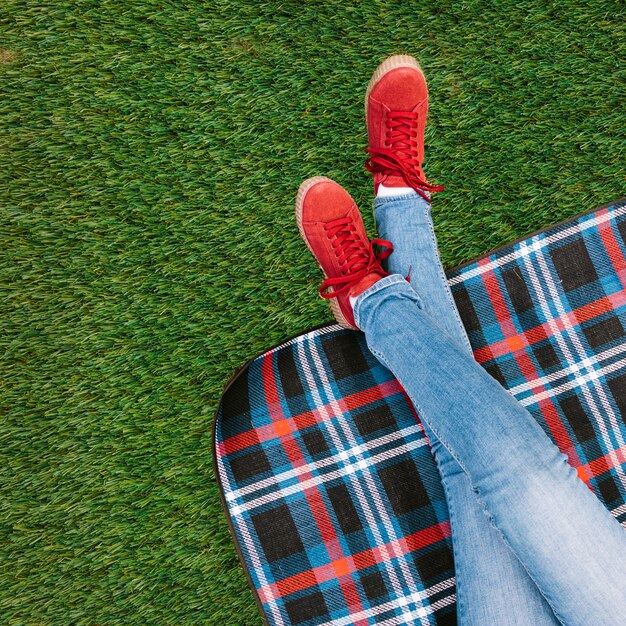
column 332, row 494
column 315, row 458
column 552, row 318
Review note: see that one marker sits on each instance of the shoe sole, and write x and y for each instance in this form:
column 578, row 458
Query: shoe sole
column 302, row 191
column 391, row 63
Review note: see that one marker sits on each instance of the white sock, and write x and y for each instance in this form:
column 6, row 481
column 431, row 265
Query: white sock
column 387, row 192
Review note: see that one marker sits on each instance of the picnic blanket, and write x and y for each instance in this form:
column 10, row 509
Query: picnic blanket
column 328, row 483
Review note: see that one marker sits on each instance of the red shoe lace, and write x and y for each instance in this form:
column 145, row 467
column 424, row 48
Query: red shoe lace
column 355, row 261
column 402, row 156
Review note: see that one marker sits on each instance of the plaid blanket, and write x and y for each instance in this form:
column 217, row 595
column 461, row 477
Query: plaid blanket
column 332, row 495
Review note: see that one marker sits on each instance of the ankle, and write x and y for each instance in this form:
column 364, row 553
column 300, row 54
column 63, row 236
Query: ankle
column 389, row 191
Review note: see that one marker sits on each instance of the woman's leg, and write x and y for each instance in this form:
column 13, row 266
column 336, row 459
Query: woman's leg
column 493, row 588
column 571, row 546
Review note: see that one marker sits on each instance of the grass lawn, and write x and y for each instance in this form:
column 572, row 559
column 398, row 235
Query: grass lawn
column 151, row 152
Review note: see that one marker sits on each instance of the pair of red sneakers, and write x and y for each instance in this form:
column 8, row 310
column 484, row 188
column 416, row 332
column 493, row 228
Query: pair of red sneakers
column 396, row 105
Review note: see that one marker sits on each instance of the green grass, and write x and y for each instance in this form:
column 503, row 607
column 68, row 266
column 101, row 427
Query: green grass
column 150, row 156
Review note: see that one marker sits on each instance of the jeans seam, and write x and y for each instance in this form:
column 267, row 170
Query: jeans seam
column 450, row 298
column 460, row 612
column 379, row 356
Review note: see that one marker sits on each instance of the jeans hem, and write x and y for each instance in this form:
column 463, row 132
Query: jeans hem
column 387, row 281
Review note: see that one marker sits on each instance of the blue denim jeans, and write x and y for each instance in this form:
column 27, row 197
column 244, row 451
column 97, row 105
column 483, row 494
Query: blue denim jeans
column 530, row 540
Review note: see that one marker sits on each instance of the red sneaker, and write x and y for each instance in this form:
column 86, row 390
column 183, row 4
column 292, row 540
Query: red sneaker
column 396, row 105
column 332, row 228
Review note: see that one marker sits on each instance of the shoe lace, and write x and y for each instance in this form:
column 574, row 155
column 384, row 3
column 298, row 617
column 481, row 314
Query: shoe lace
column 355, row 260
column 402, row 156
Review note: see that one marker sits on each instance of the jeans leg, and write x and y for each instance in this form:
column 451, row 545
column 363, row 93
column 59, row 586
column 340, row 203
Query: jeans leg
column 406, row 221
column 571, row 546
column 493, row 588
